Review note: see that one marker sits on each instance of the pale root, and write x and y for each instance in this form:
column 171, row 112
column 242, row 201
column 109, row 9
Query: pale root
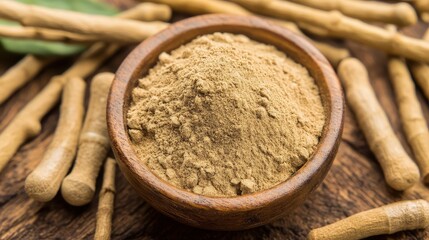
column 147, row 12
column 196, row 7
column 399, row 170
column 388, row 219
column 105, row 203
column 21, row 73
column 102, row 27
column 44, row 182
column 338, row 25
column 401, row 14
column 421, row 72
column 45, row 34
column 422, row 5
column 411, row 114
column 425, row 17
column 334, row 54
column 78, row 187
column 27, row 123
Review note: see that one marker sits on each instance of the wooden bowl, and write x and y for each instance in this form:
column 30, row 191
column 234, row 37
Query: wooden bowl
column 225, row 213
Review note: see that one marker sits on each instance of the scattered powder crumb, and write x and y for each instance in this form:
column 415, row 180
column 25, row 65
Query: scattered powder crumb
column 225, row 115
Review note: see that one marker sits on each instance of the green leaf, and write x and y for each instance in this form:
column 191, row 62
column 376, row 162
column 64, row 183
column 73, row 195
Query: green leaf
column 38, row 47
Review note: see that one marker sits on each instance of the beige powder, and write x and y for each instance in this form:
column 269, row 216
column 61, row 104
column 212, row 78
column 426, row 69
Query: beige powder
column 224, row 115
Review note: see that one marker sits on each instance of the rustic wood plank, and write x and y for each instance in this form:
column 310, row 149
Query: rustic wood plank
column 355, row 182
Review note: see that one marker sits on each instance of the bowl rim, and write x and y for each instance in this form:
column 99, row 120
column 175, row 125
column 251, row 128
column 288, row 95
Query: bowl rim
column 118, row 129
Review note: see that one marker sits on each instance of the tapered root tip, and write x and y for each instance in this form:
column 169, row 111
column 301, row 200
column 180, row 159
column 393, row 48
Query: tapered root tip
column 311, row 236
column 39, row 190
column 404, row 182
column 76, row 193
column 406, row 13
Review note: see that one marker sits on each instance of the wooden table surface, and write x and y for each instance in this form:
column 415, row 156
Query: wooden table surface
column 354, row 183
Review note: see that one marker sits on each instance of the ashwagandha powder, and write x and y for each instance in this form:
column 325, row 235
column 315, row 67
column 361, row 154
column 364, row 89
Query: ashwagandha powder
column 225, row 115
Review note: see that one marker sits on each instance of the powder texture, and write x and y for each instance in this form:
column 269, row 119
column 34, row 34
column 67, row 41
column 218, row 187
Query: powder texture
column 225, row 115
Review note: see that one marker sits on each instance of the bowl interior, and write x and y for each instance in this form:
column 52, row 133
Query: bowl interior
column 145, row 56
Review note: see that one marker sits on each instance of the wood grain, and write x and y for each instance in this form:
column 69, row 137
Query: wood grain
column 354, row 183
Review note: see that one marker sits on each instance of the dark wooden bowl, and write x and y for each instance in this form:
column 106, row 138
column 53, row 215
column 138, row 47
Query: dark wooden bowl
column 232, row 213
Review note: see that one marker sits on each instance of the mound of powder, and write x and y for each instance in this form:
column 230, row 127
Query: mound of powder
column 225, row 115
